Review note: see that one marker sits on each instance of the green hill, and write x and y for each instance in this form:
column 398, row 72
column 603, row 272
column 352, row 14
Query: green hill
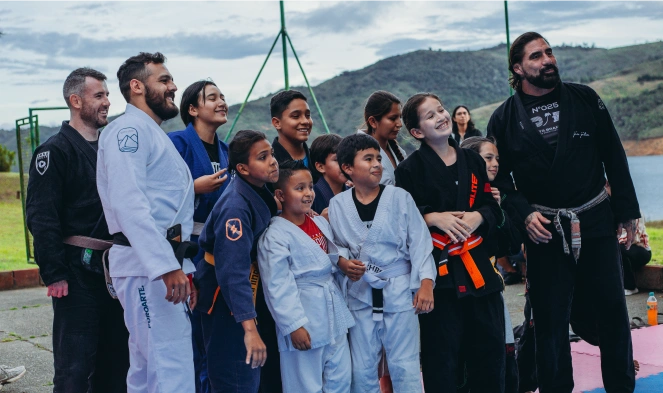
column 626, row 77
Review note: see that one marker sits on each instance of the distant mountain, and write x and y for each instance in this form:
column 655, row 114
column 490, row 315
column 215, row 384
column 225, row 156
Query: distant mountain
column 627, row 78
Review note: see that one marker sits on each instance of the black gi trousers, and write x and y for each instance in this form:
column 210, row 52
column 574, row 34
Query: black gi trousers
column 474, row 325
column 633, row 259
column 90, row 342
column 594, row 289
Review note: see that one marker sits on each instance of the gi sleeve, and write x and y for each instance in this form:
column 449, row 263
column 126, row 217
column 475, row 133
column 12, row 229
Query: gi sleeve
column 623, row 201
column 335, row 217
column 419, row 244
column 127, row 184
column 281, row 292
column 44, row 207
column 232, row 256
column 490, row 210
column 504, row 181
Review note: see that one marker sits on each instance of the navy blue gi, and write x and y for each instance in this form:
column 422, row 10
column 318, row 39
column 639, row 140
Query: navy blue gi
column 226, row 298
column 191, row 148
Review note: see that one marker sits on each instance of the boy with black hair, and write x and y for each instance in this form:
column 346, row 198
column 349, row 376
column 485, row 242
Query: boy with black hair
column 387, row 252
column 297, row 259
column 332, row 180
column 291, row 117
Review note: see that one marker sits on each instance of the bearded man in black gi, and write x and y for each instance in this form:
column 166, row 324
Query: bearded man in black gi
column 558, row 142
column 64, row 212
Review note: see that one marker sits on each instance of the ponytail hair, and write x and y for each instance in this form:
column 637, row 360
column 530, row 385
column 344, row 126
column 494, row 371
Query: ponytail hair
column 377, row 105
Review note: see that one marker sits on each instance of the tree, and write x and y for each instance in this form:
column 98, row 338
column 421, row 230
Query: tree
column 6, row 158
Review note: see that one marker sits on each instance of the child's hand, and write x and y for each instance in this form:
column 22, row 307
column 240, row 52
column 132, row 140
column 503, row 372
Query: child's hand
column 312, row 213
column 451, row 223
column 256, row 351
column 352, row 268
column 423, row 299
column 473, row 220
column 496, row 194
column 301, row 339
column 210, row 183
column 325, row 213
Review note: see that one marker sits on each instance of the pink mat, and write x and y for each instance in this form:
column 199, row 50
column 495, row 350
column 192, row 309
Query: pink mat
column 647, row 349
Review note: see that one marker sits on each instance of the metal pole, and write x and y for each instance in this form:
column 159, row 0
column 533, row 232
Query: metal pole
column 508, row 39
column 285, row 49
column 34, row 125
column 22, row 180
column 315, row 101
column 241, row 108
column 32, row 131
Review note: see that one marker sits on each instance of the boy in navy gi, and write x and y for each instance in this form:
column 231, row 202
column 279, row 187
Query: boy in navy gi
column 297, row 255
column 388, row 259
column 235, row 350
column 332, row 180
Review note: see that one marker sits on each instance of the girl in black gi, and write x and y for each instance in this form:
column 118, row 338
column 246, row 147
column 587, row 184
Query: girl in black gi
column 452, row 191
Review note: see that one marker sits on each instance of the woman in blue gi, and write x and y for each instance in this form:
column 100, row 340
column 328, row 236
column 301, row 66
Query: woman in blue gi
column 228, row 278
column 203, row 110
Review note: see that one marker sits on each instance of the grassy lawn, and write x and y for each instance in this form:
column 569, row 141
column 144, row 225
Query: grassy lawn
column 12, row 241
column 655, row 232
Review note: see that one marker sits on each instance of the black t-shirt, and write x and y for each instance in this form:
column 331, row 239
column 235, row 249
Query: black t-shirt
column 213, row 153
column 94, row 144
column 367, row 212
column 544, row 114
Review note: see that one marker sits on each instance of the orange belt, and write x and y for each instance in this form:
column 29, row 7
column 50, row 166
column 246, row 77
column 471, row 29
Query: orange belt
column 462, row 250
column 254, row 278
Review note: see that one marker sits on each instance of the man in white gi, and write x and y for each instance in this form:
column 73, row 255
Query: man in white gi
column 146, row 189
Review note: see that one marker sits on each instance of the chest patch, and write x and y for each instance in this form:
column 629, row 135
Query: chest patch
column 127, row 140
column 42, row 161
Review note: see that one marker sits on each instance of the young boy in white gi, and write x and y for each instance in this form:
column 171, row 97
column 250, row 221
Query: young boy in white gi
column 389, row 257
column 296, row 255
column 146, row 188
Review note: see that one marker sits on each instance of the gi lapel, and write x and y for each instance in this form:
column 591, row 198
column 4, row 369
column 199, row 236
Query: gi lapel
column 435, row 162
column 379, row 221
column 202, row 158
column 564, row 130
column 531, row 133
column 302, row 237
column 253, row 198
column 81, row 144
column 464, row 179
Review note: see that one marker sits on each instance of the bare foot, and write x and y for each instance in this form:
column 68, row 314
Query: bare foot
column 636, row 365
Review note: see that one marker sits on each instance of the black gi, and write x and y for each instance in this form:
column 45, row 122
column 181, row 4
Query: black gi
column 464, row 316
column 90, row 340
column 569, row 176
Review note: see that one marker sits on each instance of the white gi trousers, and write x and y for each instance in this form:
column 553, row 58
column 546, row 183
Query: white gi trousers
column 325, row 369
column 160, row 351
column 398, row 332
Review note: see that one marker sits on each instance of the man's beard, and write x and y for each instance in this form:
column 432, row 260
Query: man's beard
column 543, row 80
column 159, row 105
column 90, row 116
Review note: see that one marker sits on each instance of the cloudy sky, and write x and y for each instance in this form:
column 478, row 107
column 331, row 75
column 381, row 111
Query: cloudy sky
column 228, row 41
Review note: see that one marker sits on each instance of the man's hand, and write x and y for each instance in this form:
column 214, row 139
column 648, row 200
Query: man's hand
column 352, row 268
column 58, row 289
column 629, row 227
column 473, row 220
column 496, row 194
column 210, row 183
column 534, row 224
column 256, row 351
column 177, row 284
column 423, row 299
column 301, row 340
column 451, row 223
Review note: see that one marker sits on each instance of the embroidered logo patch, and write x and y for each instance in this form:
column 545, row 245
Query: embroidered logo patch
column 601, row 104
column 473, row 191
column 127, row 140
column 42, row 161
column 234, row 229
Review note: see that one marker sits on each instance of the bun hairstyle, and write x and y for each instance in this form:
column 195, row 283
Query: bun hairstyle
column 240, row 147
column 378, row 105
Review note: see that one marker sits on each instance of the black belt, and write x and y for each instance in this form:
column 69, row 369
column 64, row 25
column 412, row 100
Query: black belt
column 181, row 249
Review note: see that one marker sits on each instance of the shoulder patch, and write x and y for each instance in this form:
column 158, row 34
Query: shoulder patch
column 42, row 161
column 234, row 229
column 601, row 104
column 127, row 140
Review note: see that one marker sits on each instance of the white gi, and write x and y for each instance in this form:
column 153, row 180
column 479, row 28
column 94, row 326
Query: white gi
column 145, row 188
column 399, row 244
column 301, row 291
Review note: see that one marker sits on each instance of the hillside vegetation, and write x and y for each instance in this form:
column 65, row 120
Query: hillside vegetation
column 628, row 79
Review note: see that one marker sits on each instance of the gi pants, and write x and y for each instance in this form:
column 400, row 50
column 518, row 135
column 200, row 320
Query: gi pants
column 397, row 333
column 226, row 352
column 199, row 353
column 90, row 342
column 325, row 369
column 159, row 338
column 473, row 324
column 633, row 259
column 592, row 287
column 270, row 374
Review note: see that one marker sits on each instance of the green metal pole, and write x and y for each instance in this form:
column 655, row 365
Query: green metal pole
column 508, row 39
column 34, row 126
column 21, row 178
column 32, row 131
column 324, row 123
column 285, row 48
column 241, row 108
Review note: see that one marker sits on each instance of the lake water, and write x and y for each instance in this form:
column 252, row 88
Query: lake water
column 647, row 173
